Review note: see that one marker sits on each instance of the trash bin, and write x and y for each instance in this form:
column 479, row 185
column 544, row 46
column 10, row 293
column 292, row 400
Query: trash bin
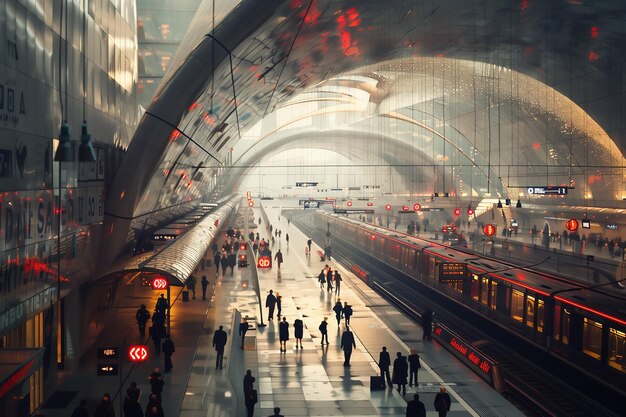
column 185, row 296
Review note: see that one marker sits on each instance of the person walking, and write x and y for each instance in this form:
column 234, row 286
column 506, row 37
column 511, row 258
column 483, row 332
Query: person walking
column 279, row 305
column 216, row 259
column 133, row 392
column 338, row 309
column 131, row 407
column 248, row 381
column 347, row 312
column 162, row 304
column 415, row 408
column 81, row 410
column 427, row 324
column 156, row 383
column 156, row 333
column 276, row 412
column 191, row 286
column 309, row 242
column 442, row 402
column 329, row 279
column 244, row 326
column 105, row 408
column 347, row 343
column 142, row 316
column 338, row 280
column 270, row 303
column 414, row 366
column 384, row 362
column 322, row 278
column 154, row 406
column 224, row 262
column 287, row 238
column 324, row 330
column 298, row 331
column 249, row 393
column 219, row 341
column 168, row 350
column 279, row 258
column 205, row 284
column 400, row 372
column 283, row 334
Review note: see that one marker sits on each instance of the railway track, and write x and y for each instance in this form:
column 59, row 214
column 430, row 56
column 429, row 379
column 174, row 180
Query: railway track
column 528, row 385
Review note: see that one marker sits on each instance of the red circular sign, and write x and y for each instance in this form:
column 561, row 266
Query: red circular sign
column 405, row 208
column 264, row 262
column 457, row 211
column 159, row 283
column 370, row 204
column 388, row 207
column 489, row 230
column 349, row 203
column 137, row 353
column 571, row 225
column 470, row 211
column 417, row 207
column 251, row 203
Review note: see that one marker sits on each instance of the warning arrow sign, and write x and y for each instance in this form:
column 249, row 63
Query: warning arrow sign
column 137, row 353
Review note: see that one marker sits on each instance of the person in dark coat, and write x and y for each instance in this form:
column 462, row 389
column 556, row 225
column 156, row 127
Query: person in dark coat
column 219, row 341
column 442, row 402
column 298, row 331
column 155, row 411
column 154, row 401
column 270, row 302
column 276, row 412
column 322, row 278
column 161, row 304
column 142, row 317
column 324, row 330
column 216, row 259
column 279, row 304
column 224, row 263
column 232, row 261
column 168, row 350
column 156, row 384
column 248, row 381
column 347, row 343
column 283, row 334
column 347, row 312
column 338, row 309
column 105, row 408
column 156, row 333
column 81, row 410
column 205, row 284
column 191, row 285
column 132, row 408
column 133, row 392
column 250, row 398
column 414, row 366
column 338, row 280
column 400, row 372
column 415, row 408
column 279, row 258
column 244, row 326
column 329, row 279
column 309, row 242
column 384, row 362
column 427, row 324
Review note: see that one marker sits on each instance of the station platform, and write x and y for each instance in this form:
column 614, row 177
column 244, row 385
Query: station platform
column 303, row 382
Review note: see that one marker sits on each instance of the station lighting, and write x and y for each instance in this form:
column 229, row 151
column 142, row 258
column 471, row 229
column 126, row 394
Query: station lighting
column 251, row 203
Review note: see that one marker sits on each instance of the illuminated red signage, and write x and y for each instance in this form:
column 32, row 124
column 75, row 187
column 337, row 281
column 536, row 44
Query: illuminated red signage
column 470, row 211
column 243, row 246
column 489, row 230
column 405, row 208
column 370, row 204
column 571, row 225
column 251, row 203
column 264, row 262
column 137, row 353
column 358, row 271
column 457, row 211
column 159, row 283
column 417, row 207
column 349, row 203
column 388, row 207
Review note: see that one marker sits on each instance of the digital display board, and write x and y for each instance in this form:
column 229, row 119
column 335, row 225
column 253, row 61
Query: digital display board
column 108, row 352
column 353, row 211
column 547, row 190
column 311, row 204
column 586, row 224
column 359, row 272
column 307, row 184
column 109, row 369
column 452, row 271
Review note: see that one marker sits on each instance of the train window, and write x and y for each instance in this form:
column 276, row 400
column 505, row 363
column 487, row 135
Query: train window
column 431, row 266
column 566, row 321
column 517, row 305
column 484, row 291
column 592, row 338
column 617, row 349
column 557, row 322
column 474, row 287
column 530, row 311
column 494, row 295
column 540, row 315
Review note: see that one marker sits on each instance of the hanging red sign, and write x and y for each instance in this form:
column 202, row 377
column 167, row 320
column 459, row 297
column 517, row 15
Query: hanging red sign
column 489, row 230
column 571, row 225
column 405, row 208
column 159, row 283
column 137, row 353
column 370, row 204
column 264, row 262
column 457, row 211
column 388, row 207
column 470, row 211
column 417, row 207
column 349, row 203
column 251, row 203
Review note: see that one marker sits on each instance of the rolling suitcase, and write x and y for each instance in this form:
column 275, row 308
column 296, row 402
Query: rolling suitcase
column 377, row 383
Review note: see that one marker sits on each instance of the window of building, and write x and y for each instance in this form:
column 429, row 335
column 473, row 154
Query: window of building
column 484, row 291
column 540, row 315
column 474, row 287
column 494, row 295
column 530, row 311
column 592, row 338
column 617, row 349
column 517, row 305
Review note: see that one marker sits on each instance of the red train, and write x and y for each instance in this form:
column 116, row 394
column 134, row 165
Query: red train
column 585, row 327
